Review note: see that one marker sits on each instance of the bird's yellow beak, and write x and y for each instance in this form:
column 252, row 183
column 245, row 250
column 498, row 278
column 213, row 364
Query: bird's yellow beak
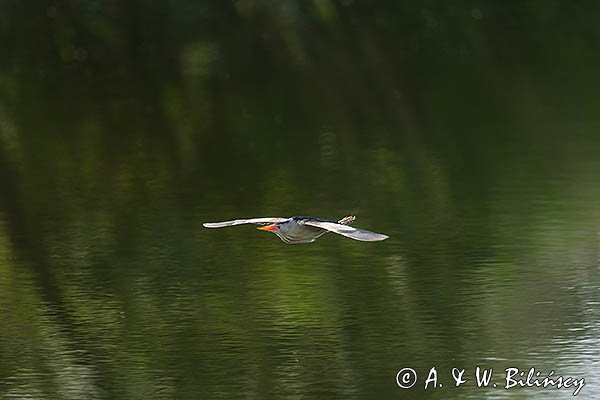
column 267, row 228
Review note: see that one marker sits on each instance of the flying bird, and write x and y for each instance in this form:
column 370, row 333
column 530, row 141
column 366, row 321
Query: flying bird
column 295, row 230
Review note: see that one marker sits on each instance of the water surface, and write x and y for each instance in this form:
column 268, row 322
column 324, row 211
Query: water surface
column 469, row 135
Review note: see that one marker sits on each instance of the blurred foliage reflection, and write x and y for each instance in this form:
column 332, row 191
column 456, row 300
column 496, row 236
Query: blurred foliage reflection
column 467, row 131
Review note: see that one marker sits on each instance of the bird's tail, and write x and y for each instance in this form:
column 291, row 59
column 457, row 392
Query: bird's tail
column 347, row 220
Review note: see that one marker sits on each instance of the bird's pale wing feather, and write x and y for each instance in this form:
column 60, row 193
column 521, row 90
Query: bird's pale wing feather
column 243, row 221
column 348, row 231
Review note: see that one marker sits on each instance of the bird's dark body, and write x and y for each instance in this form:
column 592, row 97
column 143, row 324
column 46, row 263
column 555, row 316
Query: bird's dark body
column 295, row 232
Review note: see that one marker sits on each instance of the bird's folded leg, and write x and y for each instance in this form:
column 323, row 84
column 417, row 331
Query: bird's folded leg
column 347, row 220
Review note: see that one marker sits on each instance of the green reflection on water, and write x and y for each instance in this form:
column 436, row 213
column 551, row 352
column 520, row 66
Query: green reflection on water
column 468, row 134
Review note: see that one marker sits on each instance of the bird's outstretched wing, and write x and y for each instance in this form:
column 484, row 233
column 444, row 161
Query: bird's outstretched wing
column 348, row 231
column 243, row 221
